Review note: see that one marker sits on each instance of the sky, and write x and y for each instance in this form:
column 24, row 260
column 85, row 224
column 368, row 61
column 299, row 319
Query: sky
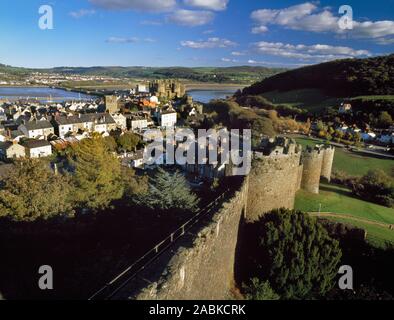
column 271, row 33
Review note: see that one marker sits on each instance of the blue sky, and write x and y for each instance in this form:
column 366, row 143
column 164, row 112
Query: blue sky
column 272, row 33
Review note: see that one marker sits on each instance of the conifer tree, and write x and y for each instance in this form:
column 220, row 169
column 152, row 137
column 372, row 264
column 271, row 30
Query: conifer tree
column 97, row 174
column 296, row 254
column 168, row 191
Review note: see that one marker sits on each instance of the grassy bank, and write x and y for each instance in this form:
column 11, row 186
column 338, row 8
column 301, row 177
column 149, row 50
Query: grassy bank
column 353, row 163
column 339, row 200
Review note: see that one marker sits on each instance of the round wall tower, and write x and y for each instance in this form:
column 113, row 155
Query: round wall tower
column 312, row 161
column 328, row 159
column 272, row 184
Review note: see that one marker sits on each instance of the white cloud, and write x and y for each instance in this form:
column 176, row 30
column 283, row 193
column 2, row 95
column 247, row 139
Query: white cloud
column 190, row 18
column 237, row 53
column 299, row 17
column 369, row 29
column 251, row 61
column 216, row 5
column 208, row 44
column 259, row 29
column 151, row 23
column 82, row 13
column 140, row 5
column 310, row 17
column 229, row 60
column 317, row 52
column 122, row 40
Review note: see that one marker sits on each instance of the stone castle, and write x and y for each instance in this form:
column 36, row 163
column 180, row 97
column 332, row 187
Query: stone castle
column 168, row 89
column 201, row 266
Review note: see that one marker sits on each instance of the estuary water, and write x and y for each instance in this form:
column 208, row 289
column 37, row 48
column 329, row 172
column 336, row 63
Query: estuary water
column 205, row 96
column 42, row 94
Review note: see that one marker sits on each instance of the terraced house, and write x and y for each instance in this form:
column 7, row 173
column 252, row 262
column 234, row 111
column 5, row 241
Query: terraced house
column 37, row 129
column 89, row 122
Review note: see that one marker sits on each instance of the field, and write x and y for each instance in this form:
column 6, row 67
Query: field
column 352, row 163
column 346, row 208
column 372, row 98
column 310, row 99
column 314, row 100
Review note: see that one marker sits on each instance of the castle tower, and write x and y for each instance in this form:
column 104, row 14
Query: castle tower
column 273, row 179
column 312, row 160
column 111, row 104
column 328, row 159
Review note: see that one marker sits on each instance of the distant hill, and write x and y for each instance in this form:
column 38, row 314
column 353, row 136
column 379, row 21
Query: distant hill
column 242, row 74
column 340, row 78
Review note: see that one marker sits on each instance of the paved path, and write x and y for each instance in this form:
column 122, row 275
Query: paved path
column 346, row 216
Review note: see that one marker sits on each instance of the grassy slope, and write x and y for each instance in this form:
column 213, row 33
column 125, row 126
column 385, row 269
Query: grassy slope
column 352, row 163
column 313, row 100
column 337, row 199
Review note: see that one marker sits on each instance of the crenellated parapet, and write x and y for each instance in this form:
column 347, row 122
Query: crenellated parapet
column 274, row 178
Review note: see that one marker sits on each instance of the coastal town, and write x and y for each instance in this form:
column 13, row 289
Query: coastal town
column 41, row 130
column 196, row 150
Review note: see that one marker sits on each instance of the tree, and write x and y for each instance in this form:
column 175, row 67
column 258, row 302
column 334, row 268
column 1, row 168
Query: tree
column 133, row 184
column 97, row 174
column 376, row 186
column 385, row 120
column 128, row 141
column 258, row 290
column 110, row 143
column 33, row 191
column 168, row 191
column 296, row 254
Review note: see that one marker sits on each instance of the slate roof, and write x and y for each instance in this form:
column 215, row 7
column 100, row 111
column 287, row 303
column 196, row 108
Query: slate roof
column 35, row 125
column 31, row 144
column 86, row 117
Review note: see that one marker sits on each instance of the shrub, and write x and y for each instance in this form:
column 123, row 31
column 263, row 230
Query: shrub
column 295, row 252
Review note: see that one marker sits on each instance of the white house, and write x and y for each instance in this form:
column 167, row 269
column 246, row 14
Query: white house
column 137, row 160
column 121, row 120
column 37, row 148
column 37, row 129
column 138, row 123
column 90, row 122
column 167, row 118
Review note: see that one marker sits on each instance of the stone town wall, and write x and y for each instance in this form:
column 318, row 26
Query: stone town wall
column 203, row 266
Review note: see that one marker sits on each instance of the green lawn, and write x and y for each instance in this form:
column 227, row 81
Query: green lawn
column 337, row 199
column 310, row 99
column 371, row 98
column 352, row 163
column 376, row 235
